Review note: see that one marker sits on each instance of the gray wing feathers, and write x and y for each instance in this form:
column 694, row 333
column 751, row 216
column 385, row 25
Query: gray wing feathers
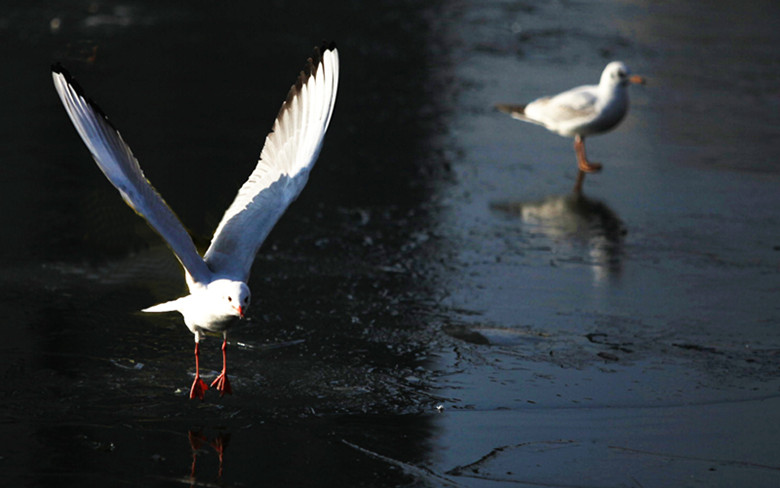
column 578, row 102
column 288, row 155
column 117, row 162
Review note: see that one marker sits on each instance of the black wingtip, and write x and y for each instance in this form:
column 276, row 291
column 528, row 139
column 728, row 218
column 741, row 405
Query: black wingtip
column 314, row 61
column 310, row 69
column 57, row 68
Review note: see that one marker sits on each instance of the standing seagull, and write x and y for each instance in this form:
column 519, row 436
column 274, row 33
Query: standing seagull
column 217, row 281
column 582, row 111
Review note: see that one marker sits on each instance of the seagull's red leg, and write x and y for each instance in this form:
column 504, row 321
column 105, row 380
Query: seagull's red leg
column 221, row 382
column 582, row 160
column 199, row 386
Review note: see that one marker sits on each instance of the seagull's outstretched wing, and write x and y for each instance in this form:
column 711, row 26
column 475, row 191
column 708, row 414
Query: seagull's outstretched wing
column 117, row 162
column 289, row 153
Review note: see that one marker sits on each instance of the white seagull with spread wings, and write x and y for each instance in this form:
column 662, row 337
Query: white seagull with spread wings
column 218, row 281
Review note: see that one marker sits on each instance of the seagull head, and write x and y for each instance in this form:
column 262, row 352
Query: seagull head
column 617, row 74
column 232, row 297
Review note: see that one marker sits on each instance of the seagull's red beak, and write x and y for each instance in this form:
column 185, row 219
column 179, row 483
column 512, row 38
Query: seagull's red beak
column 638, row 80
column 240, row 311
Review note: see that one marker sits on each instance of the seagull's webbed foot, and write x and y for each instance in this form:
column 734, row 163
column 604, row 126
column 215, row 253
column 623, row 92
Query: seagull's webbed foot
column 588, row 167
column 222, row 384
column 582, row 160
column 198, row 389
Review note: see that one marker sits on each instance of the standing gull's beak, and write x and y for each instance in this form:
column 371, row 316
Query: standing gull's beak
column 638, row 80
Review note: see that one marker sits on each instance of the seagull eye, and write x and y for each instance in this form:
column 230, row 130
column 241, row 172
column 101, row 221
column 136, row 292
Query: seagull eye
column 246, row 299
column 230, row 299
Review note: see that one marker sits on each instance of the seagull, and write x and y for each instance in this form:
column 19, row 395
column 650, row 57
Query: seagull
column 217, row 281
column 582, row 111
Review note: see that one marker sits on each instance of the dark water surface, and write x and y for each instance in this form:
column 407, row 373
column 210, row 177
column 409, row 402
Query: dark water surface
column 436, row 309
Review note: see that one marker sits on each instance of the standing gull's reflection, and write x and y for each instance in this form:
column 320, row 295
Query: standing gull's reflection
column 577, row 221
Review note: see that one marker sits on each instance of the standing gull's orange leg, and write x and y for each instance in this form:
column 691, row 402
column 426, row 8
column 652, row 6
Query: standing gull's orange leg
column 582, row 161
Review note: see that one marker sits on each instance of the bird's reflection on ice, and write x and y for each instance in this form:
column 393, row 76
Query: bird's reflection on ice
column 197, row 442
column 586, row 228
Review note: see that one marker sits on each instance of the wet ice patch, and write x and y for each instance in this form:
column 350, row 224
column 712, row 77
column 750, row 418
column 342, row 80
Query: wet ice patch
column 493, row 335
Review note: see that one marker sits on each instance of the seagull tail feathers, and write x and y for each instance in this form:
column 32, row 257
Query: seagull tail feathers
column 516, row 111
column 171, row 306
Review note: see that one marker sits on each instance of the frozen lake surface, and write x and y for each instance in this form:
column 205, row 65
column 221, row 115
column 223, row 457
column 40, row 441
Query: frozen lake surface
column 437, row 309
